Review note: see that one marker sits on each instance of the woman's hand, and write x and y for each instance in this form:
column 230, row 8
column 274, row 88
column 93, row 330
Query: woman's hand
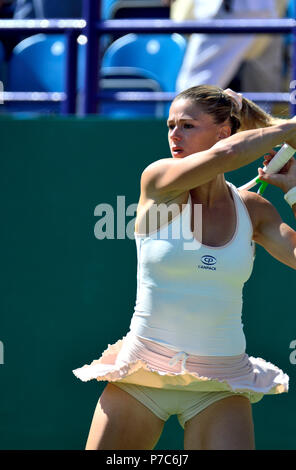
column 285, row 179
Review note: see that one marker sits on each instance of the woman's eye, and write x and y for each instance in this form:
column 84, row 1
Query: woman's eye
column 188, row 126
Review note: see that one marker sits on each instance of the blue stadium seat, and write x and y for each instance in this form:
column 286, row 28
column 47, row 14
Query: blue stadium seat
column 160, row 54
column 157, row 57
column 129, row 79
column 291, row 9
column 38, row 63
column 107, row 8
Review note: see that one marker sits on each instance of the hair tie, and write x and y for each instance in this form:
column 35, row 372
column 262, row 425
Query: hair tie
column 236, row 97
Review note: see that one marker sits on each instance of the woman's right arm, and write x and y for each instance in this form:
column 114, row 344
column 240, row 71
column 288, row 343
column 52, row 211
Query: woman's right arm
column 175, row 176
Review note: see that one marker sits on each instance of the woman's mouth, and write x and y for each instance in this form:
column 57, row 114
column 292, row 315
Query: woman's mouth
column 177, row 150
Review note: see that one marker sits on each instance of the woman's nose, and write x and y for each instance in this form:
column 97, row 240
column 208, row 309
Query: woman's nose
column 175, row 134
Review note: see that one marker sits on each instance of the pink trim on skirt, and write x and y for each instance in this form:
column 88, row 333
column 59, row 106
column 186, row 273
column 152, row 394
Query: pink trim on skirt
column 143, row 362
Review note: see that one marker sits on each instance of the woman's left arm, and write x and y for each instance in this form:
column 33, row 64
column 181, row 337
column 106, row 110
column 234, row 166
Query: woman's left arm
column 277, row 237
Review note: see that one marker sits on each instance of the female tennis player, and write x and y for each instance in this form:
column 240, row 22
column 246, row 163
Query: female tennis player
column 185, row 351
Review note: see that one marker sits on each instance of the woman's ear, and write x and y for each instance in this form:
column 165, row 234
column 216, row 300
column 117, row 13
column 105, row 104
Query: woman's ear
column 224, row 132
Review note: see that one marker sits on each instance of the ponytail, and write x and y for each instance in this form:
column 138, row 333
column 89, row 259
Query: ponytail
column 252, row 116
column 221, row 106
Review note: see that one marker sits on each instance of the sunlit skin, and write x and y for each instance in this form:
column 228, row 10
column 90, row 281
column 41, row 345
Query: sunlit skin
column 190, row 130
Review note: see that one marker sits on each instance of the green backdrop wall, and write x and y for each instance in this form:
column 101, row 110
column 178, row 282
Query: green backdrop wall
column 66, row 295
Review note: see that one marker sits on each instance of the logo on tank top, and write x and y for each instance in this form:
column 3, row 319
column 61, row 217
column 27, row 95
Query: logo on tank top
column 208, row 262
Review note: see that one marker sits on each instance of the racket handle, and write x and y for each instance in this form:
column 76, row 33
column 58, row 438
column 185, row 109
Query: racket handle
column 280, row 159
column 262, row 187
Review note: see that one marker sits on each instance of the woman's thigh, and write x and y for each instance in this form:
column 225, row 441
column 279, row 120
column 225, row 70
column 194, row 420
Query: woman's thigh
column 227, row 424
column 121, row 422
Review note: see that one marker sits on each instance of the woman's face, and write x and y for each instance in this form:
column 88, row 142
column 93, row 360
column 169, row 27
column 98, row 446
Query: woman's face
column 191, row 130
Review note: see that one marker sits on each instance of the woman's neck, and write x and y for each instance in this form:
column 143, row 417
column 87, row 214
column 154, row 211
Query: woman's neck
column 212, row 193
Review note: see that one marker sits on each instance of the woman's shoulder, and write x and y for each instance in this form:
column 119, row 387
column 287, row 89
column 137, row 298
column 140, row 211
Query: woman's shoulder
column 156, row 168
column 254, row 201
column 152, row 194
column 258, row 207
column 152, row 187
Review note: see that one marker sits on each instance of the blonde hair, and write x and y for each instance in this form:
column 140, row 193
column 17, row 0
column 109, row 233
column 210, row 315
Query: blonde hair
column 214, row 101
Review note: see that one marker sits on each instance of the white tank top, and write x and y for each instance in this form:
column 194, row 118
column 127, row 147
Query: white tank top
column 191, row 299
